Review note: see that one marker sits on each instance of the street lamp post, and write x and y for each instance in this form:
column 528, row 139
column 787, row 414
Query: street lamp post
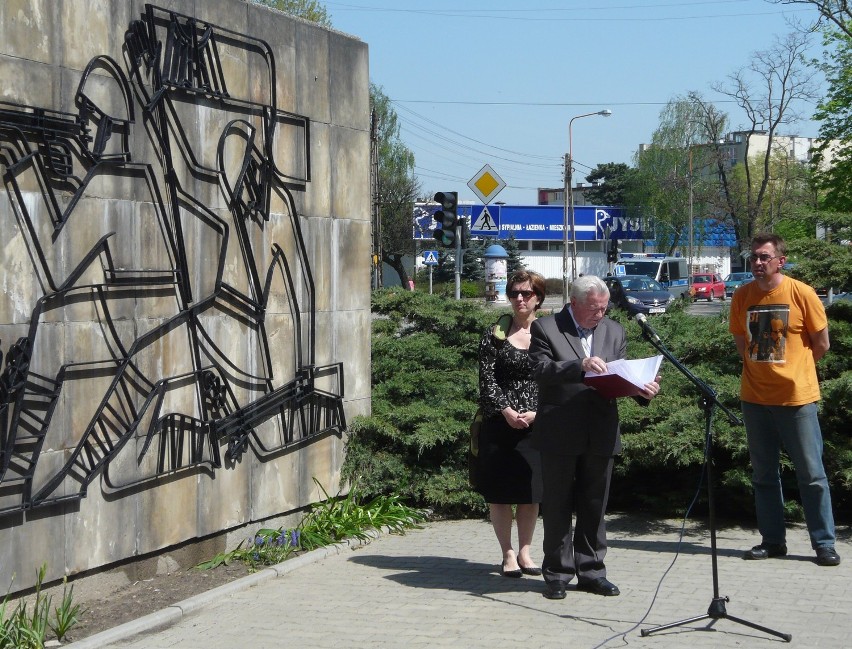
column 568, row 212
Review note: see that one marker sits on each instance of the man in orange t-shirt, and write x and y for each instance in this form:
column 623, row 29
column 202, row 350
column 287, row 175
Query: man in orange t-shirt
column 781, row 331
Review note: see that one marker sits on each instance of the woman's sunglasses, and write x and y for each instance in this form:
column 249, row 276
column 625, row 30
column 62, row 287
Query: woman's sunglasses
column 525, row 294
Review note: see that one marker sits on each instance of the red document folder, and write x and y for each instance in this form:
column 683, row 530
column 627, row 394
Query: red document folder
column 624, row 378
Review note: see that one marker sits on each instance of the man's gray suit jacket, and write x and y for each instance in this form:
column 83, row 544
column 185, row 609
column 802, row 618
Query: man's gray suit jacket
column 572, row 418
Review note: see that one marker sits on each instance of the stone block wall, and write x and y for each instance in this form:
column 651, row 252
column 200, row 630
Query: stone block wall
column 184, row 273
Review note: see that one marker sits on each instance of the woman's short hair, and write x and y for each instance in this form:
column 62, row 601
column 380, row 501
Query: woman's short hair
column 583, row 286
column 536, row 283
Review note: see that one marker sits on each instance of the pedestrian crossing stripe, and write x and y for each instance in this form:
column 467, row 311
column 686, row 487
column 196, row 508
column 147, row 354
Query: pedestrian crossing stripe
column 484, row 221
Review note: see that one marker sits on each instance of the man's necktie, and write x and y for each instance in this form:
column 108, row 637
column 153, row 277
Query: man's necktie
column 585, row 339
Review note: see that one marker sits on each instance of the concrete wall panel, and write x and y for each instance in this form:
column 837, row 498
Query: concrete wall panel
column 350, row 96
column 318, row 200
column 27, row 30
column 350, row 174
column 312, row 72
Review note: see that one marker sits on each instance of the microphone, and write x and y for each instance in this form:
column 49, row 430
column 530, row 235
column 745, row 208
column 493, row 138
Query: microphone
column 647, row 329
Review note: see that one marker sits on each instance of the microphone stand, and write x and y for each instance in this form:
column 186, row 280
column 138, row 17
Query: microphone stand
column 708, row 403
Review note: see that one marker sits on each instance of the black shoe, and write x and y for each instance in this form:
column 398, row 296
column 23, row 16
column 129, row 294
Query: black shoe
column 532, row 571
column 554, row 590
column 599, row 586
column 827, row 557
column 510, row 573
column 766, row 551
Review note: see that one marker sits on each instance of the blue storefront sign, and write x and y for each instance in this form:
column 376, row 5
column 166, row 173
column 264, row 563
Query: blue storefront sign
column 536, row 222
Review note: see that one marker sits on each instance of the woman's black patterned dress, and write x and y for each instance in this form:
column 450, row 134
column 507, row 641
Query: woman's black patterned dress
column 508, row 467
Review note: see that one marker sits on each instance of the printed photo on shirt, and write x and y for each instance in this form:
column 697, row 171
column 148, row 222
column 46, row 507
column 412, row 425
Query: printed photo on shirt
column 767, row 332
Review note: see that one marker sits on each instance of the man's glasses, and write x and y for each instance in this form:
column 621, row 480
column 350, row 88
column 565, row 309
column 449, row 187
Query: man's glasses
column 525, row 294
column 762, row 258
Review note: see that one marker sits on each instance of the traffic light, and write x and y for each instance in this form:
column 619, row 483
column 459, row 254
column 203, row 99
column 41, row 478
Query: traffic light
column 614, row 250
column 447, row 216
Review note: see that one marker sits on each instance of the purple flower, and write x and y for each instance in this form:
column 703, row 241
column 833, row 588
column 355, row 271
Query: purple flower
column 294, row 538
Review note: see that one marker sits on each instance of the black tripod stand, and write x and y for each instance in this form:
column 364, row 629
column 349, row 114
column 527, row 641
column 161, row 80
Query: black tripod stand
column 708, row 403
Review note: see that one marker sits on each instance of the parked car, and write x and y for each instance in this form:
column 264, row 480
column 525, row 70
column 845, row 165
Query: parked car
column 706, row 286
column 735, row 280
column 638, row 294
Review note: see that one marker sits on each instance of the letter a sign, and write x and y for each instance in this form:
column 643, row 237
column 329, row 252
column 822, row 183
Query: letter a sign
column 486, row 184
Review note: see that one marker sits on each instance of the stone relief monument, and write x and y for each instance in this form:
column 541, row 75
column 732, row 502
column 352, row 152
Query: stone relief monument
column 185, row 272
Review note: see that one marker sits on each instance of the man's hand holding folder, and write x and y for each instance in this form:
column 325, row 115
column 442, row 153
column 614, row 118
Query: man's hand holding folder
column 625, row 378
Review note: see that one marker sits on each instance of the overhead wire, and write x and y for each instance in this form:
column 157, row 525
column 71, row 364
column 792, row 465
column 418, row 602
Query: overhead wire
column 517, row 14
column 520, row 164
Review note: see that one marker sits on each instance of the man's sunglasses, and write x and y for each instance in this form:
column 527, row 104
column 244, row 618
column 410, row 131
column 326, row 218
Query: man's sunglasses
column 525, row 294
column 762, row 258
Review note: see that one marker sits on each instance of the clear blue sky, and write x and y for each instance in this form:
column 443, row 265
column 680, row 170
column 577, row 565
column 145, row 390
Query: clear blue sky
column 497, row 81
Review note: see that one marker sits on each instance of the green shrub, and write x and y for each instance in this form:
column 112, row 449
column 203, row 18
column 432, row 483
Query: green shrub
column 425, row 376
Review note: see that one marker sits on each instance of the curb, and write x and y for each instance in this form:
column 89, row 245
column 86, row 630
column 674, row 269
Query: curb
column 177, row 611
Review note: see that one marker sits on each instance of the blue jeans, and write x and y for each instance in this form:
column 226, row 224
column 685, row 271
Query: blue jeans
column 797, row 428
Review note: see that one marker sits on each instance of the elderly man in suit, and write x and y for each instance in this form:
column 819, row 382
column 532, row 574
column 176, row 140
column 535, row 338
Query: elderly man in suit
column 577, row 432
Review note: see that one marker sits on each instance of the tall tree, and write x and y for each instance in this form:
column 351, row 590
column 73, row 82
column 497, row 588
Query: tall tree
column 835, row 114
column 670, row 181
column 770, row 91
column 829, row 261
column 612, row 181
column 308, row 9
column 397, row 187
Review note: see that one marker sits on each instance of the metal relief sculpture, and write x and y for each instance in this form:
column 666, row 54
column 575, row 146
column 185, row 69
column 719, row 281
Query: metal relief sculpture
column 171, row 368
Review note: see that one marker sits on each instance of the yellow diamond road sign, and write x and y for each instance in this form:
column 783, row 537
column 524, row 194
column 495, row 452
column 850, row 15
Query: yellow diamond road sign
column 486, row 184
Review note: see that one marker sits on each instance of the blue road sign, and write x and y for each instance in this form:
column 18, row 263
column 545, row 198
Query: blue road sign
column 536, row 222
column 430, row 257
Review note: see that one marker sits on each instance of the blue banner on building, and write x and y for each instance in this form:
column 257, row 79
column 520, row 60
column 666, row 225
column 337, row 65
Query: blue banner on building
column 536, row 222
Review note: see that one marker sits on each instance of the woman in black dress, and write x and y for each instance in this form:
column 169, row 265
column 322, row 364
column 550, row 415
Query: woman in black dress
column 508, row 467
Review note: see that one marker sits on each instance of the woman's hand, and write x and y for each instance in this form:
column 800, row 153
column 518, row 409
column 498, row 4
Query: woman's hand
column 528, row 417
column 515, row 419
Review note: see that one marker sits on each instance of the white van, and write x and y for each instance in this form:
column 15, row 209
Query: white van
column 671, row 272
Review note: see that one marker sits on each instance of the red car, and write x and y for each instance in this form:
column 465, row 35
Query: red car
column 707, row 286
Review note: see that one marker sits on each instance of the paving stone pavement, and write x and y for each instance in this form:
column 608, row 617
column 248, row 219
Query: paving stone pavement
column 440, row 586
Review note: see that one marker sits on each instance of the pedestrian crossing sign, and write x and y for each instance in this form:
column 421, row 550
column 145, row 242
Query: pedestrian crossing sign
column 484, row 223
column 430, row 257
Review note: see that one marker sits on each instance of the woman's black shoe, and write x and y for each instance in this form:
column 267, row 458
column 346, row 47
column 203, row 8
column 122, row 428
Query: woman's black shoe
column 510, row 573
column 533, row 571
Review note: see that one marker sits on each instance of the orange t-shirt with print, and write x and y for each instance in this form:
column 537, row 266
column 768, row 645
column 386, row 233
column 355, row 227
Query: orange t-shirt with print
column 778, row 364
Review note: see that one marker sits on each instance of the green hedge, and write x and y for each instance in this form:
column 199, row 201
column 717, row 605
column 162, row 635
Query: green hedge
column 425, row 388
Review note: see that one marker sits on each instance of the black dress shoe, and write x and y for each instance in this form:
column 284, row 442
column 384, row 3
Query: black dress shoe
column 599, row 586
column 554, row 590
column 827, row 557
column 532, row 571
column 766, row 551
